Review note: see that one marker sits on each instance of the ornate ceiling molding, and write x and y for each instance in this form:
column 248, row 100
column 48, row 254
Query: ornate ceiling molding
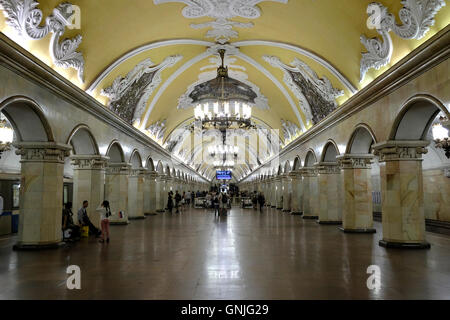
column 128, row 96
column 137, row 51
column 25, row 18
column 221, row 11
column 324, row 63
column 157, row 130
column 417, row 16
column 290, row 131
column 205, row 55
column 317, row 96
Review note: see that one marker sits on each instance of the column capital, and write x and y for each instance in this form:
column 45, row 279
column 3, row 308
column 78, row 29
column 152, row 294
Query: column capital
column 407, row 150
column 88, row 162
column 151, row 174
column 328, row 167
column 118, row 168
column 137, row 172
column 295, row 174
column 42, row 151
column 309, row 171
column 355, row 161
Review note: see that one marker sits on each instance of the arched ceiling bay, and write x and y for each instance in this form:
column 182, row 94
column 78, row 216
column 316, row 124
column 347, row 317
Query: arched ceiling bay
column 118, row 35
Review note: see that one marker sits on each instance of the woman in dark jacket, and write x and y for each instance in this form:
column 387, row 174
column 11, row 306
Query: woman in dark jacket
column 170, row 203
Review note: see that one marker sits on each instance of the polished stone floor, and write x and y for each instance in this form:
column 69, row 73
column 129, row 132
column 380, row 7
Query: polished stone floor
column 246, row 255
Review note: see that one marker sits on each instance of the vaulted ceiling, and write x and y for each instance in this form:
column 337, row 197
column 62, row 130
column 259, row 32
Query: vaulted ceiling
column 174, row 42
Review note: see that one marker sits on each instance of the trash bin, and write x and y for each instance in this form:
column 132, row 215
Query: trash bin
column 15, row 223
column 5, row 223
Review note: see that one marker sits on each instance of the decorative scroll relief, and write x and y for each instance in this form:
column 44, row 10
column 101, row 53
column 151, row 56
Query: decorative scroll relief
column 222, row 11
column 317, row 96
column 128, row 96
column 157, row 130
column 26, row 18
column 417, row 16
column 290, row 130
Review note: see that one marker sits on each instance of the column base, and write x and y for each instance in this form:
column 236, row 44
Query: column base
column 35, row 247
column 136, row 218
column 310, row 217
column 404, row 245
column 296, row 213
column 357, row 230
column 329, row 222
column 150, row 214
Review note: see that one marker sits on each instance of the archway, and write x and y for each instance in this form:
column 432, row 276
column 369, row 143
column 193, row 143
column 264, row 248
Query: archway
column 330, row 152
column 136, row 187
column 40, row 195
column 402, row 175
column 87, row 169
column 116, row 183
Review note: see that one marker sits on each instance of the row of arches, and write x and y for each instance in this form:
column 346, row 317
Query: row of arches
column 133, row 187
column 339, row 184
column 30, row 125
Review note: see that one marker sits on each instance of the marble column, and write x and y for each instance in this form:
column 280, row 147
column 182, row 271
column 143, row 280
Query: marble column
column 136, row 193
column 310, row 193
column 296, row 180
column 357, row 213
column 89, row 183
column 41, row 194
column 273, row 193
column 161, row 193
column 116, row 188
column 403, row 217
column 150, row 192
column 278, row 193
column 286, row 191
column 330, row 193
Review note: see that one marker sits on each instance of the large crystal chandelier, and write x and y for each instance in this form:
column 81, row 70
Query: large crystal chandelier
column 440, row 132
column 223, row 102
column 6, row 134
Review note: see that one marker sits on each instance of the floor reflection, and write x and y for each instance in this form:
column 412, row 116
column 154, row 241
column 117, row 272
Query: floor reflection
column 245, row 255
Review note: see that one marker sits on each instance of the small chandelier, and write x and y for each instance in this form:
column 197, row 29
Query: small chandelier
column 440, row 135
column 223, row 102
column 223, row 150
column 6, row 135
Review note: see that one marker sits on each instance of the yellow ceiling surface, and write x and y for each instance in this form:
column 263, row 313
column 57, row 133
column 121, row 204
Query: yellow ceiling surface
column 325, row 34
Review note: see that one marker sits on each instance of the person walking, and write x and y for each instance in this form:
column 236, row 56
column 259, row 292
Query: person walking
column 261, row 201
column 105, row 213
column 177, row 201
column 170, row 202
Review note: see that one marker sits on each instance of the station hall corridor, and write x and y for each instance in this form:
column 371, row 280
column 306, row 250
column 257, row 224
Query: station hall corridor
column 246, row 255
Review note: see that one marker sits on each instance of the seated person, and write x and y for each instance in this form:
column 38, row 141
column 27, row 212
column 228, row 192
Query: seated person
column 84, row 220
